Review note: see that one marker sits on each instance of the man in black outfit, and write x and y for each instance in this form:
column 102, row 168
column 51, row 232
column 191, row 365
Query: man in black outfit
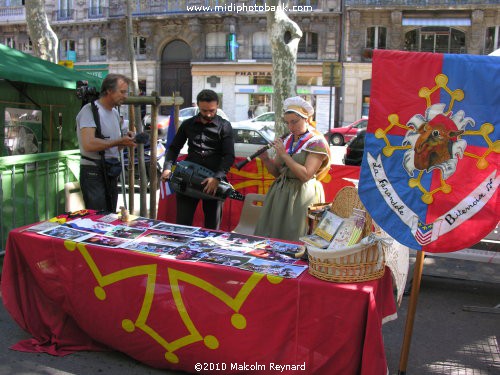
column 210, row 144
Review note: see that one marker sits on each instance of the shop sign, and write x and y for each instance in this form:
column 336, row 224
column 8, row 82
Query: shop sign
column 268, row 74
column 22, row 131
column 100, row 71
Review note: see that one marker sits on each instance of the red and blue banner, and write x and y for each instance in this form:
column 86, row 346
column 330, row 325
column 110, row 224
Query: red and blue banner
column 429, row 175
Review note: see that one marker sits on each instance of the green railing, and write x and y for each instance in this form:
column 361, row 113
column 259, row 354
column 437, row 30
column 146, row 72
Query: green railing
column 32, row 188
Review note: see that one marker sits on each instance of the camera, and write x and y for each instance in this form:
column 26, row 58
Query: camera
column 85, row 92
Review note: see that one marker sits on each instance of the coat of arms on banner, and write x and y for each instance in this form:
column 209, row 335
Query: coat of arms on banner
column 429, row 175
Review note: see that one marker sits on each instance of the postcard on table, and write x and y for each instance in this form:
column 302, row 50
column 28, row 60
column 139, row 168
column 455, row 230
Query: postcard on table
column 291, row 249
column 175, row 228
column 142, row 222
column 271, row 255
column 273, row 268
column 101, row 240
column 149, row 247
column 224, row 259
column 166, row 238
column 65, row 233
column 184, row 253
column 121, row 231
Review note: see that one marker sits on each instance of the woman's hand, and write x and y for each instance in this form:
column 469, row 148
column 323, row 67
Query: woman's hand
column 279, row 146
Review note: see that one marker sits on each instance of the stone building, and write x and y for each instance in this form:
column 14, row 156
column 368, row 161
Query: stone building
column 184, row 46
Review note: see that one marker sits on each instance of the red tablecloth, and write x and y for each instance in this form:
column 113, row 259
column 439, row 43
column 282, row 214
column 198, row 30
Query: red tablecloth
column 254, row 178
column 174, row 314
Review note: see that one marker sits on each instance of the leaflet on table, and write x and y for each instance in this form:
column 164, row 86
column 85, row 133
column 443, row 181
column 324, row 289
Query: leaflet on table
column 273, row 268
column 102, row 240
column 40, row 227
column 225, row 258
column 166, row 238
column 149, row 247
column 142, row 222
column 121, row 231
column 175, row 228
column 65, row 233
column 90, row 225
column 235, row 239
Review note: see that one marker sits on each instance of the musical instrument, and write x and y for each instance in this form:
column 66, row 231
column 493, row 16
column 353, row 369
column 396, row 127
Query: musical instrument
column 261, row 150
column 187, row 177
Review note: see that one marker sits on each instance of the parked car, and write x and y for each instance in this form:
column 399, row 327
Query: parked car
column 355, row 148
column 266, row 119
column 164, row 121
column 248, row 138
column 340, row 136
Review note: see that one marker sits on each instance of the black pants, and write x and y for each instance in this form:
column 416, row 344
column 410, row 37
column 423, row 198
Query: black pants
column 186, row 207
column 93, row 188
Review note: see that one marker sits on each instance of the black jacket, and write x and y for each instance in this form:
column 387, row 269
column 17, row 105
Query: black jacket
column 210, row 145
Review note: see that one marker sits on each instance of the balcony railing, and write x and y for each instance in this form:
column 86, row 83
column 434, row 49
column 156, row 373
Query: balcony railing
column 262, row 52
column 416, row 3
column 98, row 12
column 215, row 52
column 65, row 14
column 14, row 13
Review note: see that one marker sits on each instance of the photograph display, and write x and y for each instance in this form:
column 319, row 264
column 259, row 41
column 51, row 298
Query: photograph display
column 184, row 243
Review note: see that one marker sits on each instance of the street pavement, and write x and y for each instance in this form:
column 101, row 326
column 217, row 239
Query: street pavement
column 446, row 340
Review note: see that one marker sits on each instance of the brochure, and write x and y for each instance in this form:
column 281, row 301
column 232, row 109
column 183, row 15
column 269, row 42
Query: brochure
column 350, row 230
column 315, row 240
column 328, row 225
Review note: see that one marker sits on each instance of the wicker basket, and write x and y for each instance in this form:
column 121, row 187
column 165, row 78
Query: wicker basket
column 362, row 262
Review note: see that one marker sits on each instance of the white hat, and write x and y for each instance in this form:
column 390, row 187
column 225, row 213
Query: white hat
column 299, row 106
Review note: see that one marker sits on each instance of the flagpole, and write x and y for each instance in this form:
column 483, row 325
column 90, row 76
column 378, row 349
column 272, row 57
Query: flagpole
column 410, row 316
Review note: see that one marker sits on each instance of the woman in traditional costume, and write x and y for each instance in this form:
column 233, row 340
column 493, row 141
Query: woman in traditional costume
column 302, row 160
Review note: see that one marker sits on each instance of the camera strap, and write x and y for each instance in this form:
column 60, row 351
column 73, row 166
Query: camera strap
column 98, row 134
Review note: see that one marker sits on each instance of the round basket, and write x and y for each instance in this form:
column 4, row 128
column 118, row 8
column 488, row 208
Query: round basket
column 356, row 263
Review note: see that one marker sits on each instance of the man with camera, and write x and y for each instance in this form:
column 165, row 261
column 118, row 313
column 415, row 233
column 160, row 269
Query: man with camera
column 100, row 140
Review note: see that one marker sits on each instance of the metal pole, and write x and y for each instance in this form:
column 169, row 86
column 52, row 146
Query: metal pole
column 331, row 98
column 122, row 178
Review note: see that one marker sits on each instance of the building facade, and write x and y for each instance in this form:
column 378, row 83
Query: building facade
column 183, row 46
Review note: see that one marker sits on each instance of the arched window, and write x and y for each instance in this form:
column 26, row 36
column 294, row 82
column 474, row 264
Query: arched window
column 376, row 37
column 435, row 39
column 261, row 47
column 215, row 46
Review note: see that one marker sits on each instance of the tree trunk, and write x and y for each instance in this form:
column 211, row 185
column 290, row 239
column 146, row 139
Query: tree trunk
column 284, row 35
column 44, row 39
